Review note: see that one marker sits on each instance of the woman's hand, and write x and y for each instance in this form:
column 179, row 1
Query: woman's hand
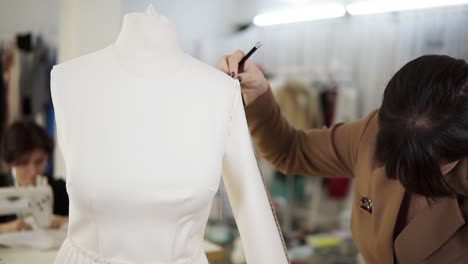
column 14, row 226
column 253, row 82
column 58, row 221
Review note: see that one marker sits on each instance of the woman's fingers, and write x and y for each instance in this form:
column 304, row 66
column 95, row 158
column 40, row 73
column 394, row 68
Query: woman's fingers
column 233, row 62
column 21, row 226
column 223, row 64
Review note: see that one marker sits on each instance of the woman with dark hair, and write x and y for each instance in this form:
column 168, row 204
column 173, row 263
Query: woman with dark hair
column 408, row 159
column 26, row 149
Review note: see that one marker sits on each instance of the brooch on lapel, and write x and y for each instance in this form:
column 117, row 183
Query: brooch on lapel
column 366, row 204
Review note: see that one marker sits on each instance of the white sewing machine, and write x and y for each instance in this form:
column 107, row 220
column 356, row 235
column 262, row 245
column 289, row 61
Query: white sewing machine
column 25, row 201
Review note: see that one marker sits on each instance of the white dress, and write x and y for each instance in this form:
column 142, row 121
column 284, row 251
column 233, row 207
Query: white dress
column 144, row 157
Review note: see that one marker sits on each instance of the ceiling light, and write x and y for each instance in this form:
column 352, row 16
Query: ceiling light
column 383, row 6
column 306, row 13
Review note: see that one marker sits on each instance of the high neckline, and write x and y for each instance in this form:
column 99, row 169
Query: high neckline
column 147, row 35
column 148, row 45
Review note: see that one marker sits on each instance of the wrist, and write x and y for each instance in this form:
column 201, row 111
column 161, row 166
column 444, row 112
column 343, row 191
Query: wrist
column 264, row 87
column 7, row 227
column 252, row 97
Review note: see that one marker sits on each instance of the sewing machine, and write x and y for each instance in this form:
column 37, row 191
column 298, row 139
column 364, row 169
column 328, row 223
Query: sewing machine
column 25, row 201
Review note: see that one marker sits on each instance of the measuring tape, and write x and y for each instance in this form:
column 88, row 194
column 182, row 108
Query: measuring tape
column 278, row 227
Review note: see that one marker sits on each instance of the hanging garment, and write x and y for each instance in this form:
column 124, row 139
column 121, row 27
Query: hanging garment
column 14, row 98
column 298, row 105
column 345, row 111
column 280, row 188
column 40, row 78
column 34, row 75
column 26, row 84
column 24, row 42
column 346, row 108
column 328, row 101
column 3, row 106
column 50, row 128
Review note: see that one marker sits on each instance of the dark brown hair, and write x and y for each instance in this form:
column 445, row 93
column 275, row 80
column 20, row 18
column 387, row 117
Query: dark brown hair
column 23, row 137
column 423, row 122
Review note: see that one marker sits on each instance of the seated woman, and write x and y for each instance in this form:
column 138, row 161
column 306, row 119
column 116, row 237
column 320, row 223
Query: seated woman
column 26, row 148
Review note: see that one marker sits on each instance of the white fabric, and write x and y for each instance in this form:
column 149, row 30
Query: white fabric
column 13, row 94
column 145, row 131
column 346, row 105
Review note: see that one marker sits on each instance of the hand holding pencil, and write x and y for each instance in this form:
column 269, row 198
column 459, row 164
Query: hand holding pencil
column 237, row 65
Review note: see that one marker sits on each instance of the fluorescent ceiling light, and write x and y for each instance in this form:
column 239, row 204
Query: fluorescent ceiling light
column 306, row 13
column 383, row 6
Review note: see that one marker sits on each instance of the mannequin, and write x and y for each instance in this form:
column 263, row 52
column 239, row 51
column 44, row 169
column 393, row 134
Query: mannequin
column 145, row 131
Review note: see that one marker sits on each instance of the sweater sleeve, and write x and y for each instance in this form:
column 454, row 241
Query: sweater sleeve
column 325, row 152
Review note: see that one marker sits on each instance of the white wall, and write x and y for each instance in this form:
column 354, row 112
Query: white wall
column 29, row 16
column 195, row 20
column 87, row 25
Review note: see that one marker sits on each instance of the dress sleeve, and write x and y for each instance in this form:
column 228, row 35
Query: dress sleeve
column 261, row 237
